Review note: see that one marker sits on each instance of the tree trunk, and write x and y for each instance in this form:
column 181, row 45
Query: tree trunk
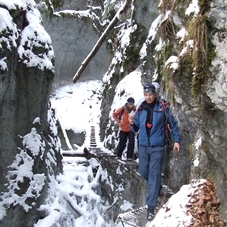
column 98, row 44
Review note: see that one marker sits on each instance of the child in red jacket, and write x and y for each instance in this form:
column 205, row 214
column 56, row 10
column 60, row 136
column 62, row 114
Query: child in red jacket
column 121, row 117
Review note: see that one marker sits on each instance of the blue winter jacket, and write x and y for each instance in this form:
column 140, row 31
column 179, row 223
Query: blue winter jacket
column 157, row 135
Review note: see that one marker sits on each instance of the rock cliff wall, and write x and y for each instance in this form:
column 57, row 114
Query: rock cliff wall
column 75, row 27
column 182, row 51
column 29, row 146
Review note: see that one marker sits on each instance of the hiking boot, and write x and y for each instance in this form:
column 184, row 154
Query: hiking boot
column 150, row 214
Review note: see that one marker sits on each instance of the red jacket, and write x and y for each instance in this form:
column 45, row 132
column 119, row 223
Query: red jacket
column 122, row 119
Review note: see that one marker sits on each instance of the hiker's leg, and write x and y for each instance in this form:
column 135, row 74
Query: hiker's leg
column 154, row 178
column 144, row 159
column 122, row 143
column 131, row 144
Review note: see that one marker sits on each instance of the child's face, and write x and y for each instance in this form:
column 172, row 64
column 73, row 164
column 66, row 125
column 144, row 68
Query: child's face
column 130, row 105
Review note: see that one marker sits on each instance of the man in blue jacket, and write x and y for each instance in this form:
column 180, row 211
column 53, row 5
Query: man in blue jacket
column 151, row 119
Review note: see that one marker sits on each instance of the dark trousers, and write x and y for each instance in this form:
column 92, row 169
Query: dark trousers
column 150, row 168
column 123, row 137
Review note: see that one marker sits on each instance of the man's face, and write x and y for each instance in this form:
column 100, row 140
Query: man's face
column 150, row 97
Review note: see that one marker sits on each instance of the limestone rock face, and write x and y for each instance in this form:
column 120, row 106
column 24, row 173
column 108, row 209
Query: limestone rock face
column 75, row 27
column 217, row 89
column 183, row 51
column 26, row 121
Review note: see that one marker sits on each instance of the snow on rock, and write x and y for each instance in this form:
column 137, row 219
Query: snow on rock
column 172, row 63
column 73, row 198
column 21, row 170
column 34, row 37
column 194, row 205
column 33, row 43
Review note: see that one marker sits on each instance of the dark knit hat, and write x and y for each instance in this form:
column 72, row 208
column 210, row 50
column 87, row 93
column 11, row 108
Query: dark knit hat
column 131, row 100
column 149, row 88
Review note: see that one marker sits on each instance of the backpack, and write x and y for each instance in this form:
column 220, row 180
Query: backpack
column 169, row 137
